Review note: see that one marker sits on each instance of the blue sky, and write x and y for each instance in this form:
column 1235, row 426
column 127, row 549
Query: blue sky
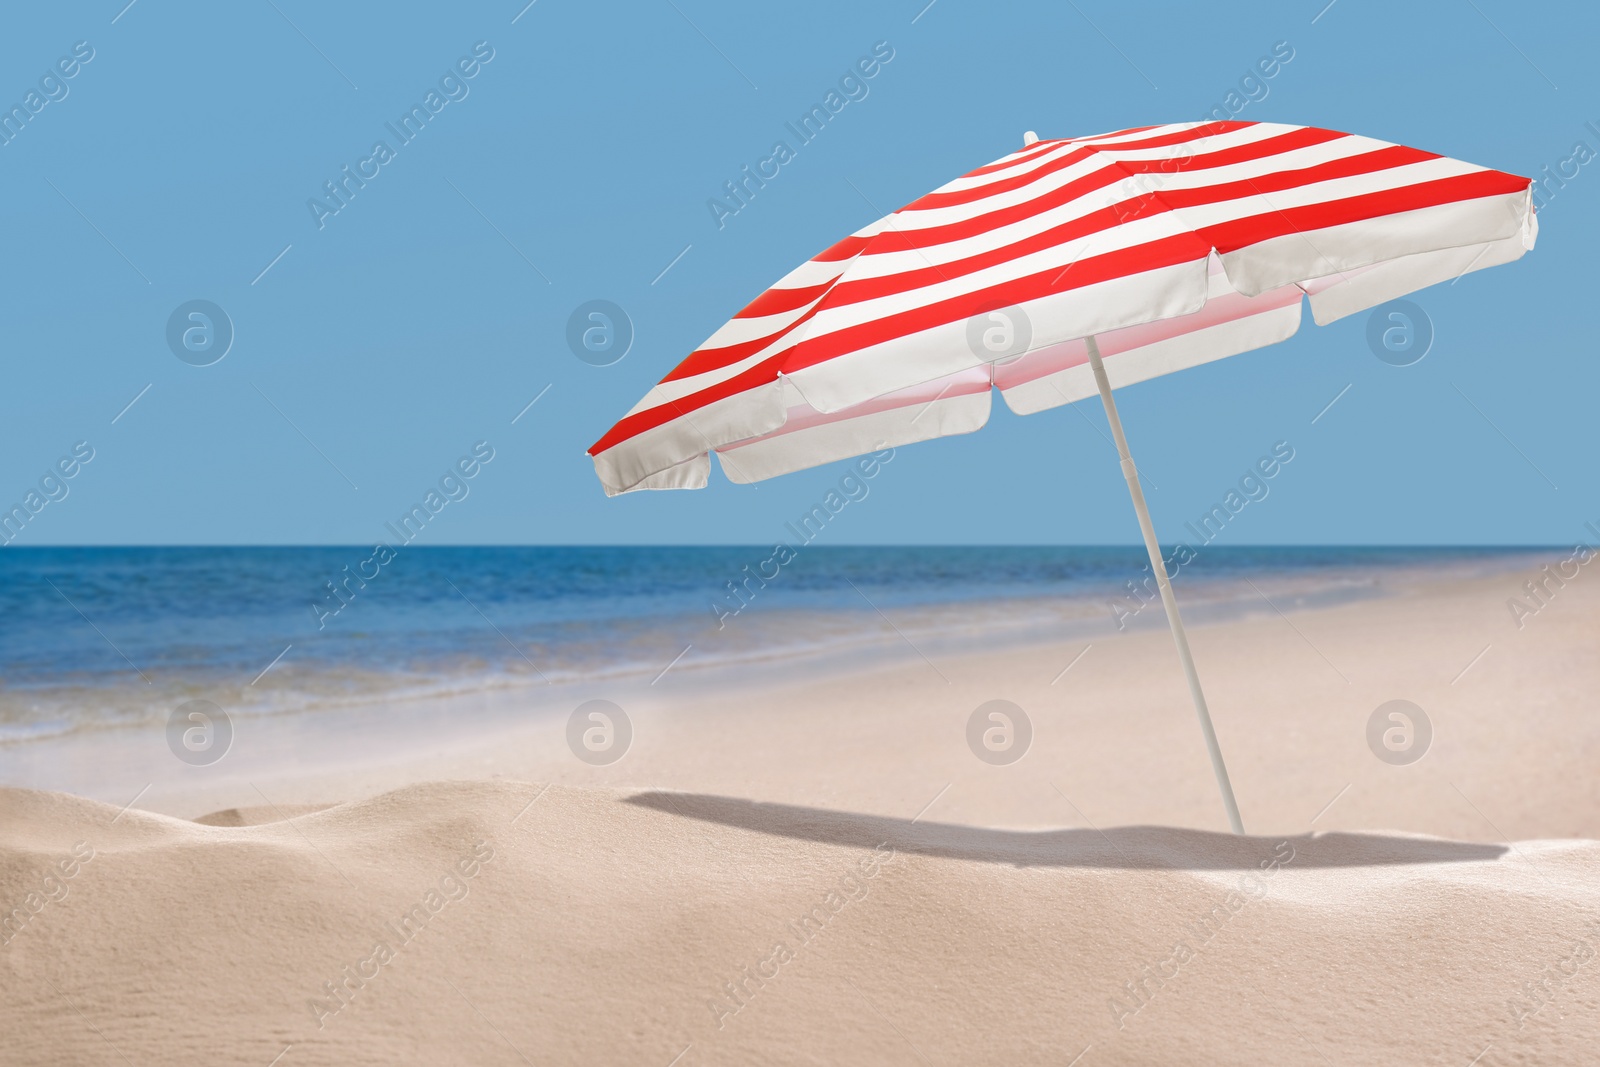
column 374, row 346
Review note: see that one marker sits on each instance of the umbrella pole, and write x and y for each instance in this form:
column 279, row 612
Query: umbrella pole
column 1131, row 473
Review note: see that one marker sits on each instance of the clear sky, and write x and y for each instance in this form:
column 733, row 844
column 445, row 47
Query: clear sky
column 374, row 345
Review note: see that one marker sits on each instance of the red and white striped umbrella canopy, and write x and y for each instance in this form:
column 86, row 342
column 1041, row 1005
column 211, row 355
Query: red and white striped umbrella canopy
column 1170, row 245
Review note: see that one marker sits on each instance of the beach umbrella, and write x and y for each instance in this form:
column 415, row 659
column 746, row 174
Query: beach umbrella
column 1060, row 271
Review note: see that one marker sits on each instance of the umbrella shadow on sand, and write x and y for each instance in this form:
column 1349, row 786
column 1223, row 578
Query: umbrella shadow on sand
column 1126, row 847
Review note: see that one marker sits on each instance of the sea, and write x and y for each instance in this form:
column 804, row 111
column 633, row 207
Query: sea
column 106, row 638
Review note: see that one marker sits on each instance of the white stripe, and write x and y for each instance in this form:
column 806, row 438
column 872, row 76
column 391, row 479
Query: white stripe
column 1204, row 215
column 1297, row 256
column 918, row 218
column 1187, row 348
column 747, row 414
column 1212, row 142
column 1371, row 286
column 1152, row 361
column 678, row 388
column 1139, row 135
column 854, row 436
column 969, row 182
column 742, row 330
column 811, row 273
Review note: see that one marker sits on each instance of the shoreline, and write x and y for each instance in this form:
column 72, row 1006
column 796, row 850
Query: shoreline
column 949, row 627
column 685, row 721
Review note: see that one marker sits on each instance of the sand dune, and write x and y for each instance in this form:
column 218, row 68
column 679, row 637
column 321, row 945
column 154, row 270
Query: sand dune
column 505, row 923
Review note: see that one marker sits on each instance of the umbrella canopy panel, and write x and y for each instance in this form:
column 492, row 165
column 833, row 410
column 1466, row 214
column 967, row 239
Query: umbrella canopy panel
column 1171, row 245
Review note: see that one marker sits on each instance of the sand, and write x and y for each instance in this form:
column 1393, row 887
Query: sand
column 819, row 870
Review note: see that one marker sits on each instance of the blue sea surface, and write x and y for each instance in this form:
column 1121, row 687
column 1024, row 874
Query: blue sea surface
column 97, row 637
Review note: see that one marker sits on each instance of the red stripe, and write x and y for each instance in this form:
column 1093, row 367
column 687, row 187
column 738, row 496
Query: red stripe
column 848, row 248
column 1241, row 233
column 1028, row 155
column 1119, row 133
column 637, row 423
column 1046, row 146
column 702, row 360
column 956, row 197
column 1379, row 159
column 778, row 301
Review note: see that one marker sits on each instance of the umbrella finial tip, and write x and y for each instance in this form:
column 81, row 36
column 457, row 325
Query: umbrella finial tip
column 1029, row 138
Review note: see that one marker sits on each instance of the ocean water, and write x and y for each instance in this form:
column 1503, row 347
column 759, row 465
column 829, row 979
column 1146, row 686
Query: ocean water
column 95, row 638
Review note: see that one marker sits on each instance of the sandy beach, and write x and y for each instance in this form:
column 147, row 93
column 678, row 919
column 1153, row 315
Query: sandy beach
column 818, row 869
